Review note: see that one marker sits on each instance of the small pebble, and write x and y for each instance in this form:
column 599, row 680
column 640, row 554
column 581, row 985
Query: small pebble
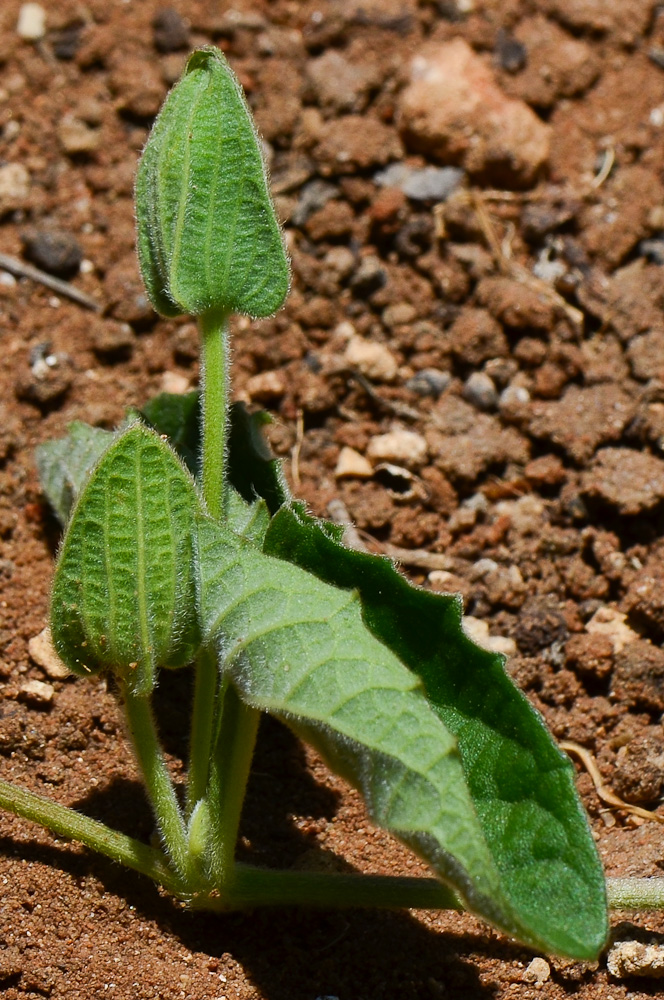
column 423, row 183
column 369, row 277
column 482, row 568
column 77, row 137
column 267, row 386
column 14, row 187
column 31, row 23
column 429, row 382
column 527, row 514
column 480, row 391
column 511, row 54
column 112, row 340
column 341, row 260
column 41, row 651
column 351, row 464
column 478, row 630
column 174, row 383
column 313, row 196
column 399, row 314
column 48, row 379
column 375, row 361
column 613, row 624
column 54, row 251
column 169, row 31
column 538, row 972
column 36, row 692
column 512, row 401
column 406, row 447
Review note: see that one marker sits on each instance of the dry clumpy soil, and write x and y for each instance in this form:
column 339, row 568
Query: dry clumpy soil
column 472, row 193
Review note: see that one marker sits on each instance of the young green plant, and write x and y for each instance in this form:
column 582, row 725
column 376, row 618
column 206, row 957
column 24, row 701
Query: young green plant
column 184, row 549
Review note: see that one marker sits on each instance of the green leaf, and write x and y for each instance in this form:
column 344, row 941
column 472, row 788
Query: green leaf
column 178, row 416
column 252, row 469
column 208, row 237
column 521, row 785
column 63, row 465
column 298, row 648
column 124, row 590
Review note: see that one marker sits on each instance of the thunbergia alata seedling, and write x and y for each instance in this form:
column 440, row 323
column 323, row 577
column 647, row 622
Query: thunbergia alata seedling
column 183, row 549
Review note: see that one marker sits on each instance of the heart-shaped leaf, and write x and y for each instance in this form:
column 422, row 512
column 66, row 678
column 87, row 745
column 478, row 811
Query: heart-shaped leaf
column 124, row 592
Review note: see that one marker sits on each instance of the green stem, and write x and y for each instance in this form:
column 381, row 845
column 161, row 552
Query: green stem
column 635, row 893
column 65, row 822
column 202, row 727
column 216, row 391
column 252, row 886
column 229, row 772
column 157, row 779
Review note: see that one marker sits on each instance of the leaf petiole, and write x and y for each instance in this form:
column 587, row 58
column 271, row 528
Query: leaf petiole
column 157, row 779
column 215, row 399
column 66, row 822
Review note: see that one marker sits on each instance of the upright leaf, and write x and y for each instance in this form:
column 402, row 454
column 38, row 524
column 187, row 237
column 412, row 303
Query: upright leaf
column 124, row 591
column 64, row 464
column 521, row 785
column 208, row 237
column 298, row 648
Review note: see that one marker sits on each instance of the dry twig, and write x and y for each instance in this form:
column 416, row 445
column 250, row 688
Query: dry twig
column 603, row 791
column 22, row 270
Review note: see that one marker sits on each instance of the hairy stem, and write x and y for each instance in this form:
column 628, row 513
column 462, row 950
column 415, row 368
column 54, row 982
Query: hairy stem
column 635, row 893
column 202, row 727
column 252, row 886
column 215, row 399
column 157, row 779
column 65, row 822
column 229, row 772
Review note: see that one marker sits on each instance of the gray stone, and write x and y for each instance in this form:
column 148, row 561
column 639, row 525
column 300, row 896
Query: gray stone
column 429, row 382
column 480, row 391
column 423, row 183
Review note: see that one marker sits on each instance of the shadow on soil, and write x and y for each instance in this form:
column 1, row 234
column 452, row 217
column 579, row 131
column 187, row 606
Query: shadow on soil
column 288, row 953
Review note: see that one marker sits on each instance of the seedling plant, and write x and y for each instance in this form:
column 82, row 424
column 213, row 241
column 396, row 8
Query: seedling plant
column 183, row 549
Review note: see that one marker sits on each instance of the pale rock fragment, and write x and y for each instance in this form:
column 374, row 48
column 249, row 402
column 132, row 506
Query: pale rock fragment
column 31, row 24
column 633, row 958
column 266, row 386
column 537, row 972
column 374, row 360
column 607, row 621
column 401, row 446
column 454, row 110
column 351, row 464
column 36, row 692
column 42, row 652
column 527, row 514
column 175, row 383
column 77, row 137
column 506, row 586
column 478, row 630
column 14, row 187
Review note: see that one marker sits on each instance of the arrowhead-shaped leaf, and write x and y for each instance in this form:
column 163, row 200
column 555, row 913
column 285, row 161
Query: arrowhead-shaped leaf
column 521, row 785
column 298, row 648
column 124, row 592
